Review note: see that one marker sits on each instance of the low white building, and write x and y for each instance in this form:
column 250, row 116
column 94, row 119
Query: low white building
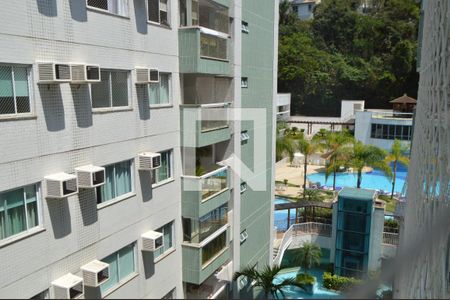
column 304, row 8
column 283, row 107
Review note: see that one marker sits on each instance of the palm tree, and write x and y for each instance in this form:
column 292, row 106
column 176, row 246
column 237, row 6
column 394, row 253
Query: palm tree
column 368, row 155
column 284, row 144
column 308, row 256
column 396, row 156
column 338, row 149
column 265, row 280
column 307, row 148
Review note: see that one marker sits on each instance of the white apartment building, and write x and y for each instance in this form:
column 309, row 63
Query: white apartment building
column 92, row 94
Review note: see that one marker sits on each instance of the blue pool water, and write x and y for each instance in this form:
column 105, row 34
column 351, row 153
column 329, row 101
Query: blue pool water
column 371, row 180
column 296, row 293
column 280, row 216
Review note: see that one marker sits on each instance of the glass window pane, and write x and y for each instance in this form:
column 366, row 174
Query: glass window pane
column 164, row 89
column 153, row 10
column 100, row 92
column 164, row 170
column 32, row 208
column 119, row 82
column 154, row 93
column 126, row 261
column 15, row 212
column 2, row 219
column 123, row 178
column 113, row 273
column 21, row 81
column 102, row 4
column 106, row 191
column 6, row 91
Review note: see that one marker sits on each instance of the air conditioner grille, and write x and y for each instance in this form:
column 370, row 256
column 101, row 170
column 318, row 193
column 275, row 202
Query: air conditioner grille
column 62, row 72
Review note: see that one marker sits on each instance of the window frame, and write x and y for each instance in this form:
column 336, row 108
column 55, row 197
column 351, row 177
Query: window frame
column 29, row 70
column 39, row 206
column 110, row 94
column 244, row 82
column 124, row 280
column 169, row 23
column 244, row 27
column 167, row 251
column 123, row 196
column 171, row 169
column 170, row 102
column 97, row 9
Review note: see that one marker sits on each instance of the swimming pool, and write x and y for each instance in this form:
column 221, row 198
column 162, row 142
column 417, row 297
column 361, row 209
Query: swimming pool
column 280, row 216
column 371, row 180
column 296, row 293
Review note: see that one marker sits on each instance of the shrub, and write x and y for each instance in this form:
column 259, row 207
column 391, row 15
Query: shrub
column 338, row 283
column 306, row 279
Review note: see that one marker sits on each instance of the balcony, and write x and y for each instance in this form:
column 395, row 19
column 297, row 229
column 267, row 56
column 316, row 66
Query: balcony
column 204, row 51
column 202, row 194
column 204, row 124
column 200, row 261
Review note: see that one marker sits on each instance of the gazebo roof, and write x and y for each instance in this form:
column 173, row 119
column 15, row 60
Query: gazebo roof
column 405, row 99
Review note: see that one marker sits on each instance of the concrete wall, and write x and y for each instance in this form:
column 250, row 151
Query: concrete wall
column 63, row 133
column 376, row 239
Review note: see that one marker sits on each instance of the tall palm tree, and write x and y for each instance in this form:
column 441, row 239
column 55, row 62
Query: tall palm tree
column 396, row 155
column 307, row 148
column 308, row 256
column 370, row 156
column 265, row 280
column 284, row 144
column 337, row 147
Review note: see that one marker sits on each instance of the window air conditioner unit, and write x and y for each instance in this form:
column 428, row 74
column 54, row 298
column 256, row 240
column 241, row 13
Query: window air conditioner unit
column 61, row 185
column 68, row 287
column 82, row 73
column 142, row 75
column 154, row 75
column 152, row 240
column 90, row 176
column 149, row 161
column 95, row 273
column 53, row 73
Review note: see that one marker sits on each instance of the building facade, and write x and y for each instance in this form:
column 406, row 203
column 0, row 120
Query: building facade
column 424, row 271
column 108, row 188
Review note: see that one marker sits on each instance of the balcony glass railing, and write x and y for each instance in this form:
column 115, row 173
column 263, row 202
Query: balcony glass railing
column 213, row 46
column 214, row 116
column 214, row 182
column 195, row 231
column 205, row 13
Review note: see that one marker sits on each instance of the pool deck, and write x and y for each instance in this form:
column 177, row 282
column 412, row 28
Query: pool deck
column 294, row 175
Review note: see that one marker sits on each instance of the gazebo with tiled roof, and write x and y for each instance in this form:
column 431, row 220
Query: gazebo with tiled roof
column 404, row 104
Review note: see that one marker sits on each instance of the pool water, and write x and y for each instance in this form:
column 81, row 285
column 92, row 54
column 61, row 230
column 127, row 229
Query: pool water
column 280, row 216
column 296, row 293
column 370, row 180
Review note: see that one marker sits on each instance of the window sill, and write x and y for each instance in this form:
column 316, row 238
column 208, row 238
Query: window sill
column 215, row 58
column 21, row 236
column 110, row 110
column 116, row 200
column 17, row 117
column 169, row 105
column 120, row 284
column 159, row 25
column 164, row 255
column 99, row 10
column 164, row 182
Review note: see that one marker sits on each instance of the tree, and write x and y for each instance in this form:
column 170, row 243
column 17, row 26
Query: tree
column 307, row 148
column 265, row 279
column 308, row 256
column 396, row 156
column 284, row 145
column 370, row 156
column 337, row 147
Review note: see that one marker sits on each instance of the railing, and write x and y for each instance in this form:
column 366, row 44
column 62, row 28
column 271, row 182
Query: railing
column 214, row 182
column 285, row 242
column 312, row 228
column 391, row 115
column 214, row 116
column 390, row 238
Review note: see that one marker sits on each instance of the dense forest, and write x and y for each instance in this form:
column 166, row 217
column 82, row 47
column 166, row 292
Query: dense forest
column 345, row 53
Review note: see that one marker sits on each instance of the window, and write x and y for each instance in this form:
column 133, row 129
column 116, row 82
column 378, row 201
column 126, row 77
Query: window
column 170, row 295
column 168, row 234
column 244, row 82
column 243, row 236
column 41, row 295
column 121, row 265
column 159, row 92
column 118, row 182
column 244, row 136
column 117, row 7
column 213, row 46
column 310, row 7
column 205, row 13
column 158, row 12
column 391, row 132
column 214, row 247
column 165, row 171
column 244, row 27
column 112, row 91
column 19, row 210
column 295, row 8
column 14, row 90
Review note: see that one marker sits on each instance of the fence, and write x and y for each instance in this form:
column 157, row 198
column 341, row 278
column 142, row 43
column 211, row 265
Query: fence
column 390, row 238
